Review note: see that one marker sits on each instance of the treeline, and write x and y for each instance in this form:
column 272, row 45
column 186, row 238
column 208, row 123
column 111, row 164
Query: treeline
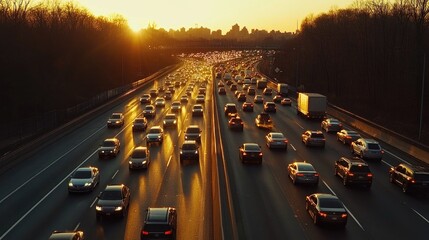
column 57, row 55
column 369, row 59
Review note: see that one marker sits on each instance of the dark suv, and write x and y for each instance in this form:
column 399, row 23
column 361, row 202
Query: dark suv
column 160, row 223
column 230, row 108
column 410, row 177
column 353, row 170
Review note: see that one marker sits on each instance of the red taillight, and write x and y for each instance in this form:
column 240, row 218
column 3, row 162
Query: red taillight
column 168, row 232
column 145, row 233
column 322, row 214
column 316, row 174
column 285, row 141
column 344, row 215
column 260, row 154
column 348, row 137
column 350, row 174
column 300, row 174
column 244, row 153
column 369, row 174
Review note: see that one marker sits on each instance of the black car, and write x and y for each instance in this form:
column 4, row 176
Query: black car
column 140, row 124
column 410, row 177
column 247, row 107
column 109, row 148
column 193, row 132
column 270, row 107
column 189, row 151
column 250, row 152
column 353, row 170
column 114, row 200
column 160, row 223
column 326, row 208
column 230, row 108
column 235, row 123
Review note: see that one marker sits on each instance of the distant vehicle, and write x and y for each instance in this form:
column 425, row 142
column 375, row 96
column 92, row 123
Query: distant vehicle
column 353, row 171
column 268, row 91
column 149, row 111
column 67, row 235
column 184, row 99
column 159, row 223
column 140, row 124
column 286, row 102
column 270, row 107
column 168, row 95
column 84, row 179
column 258, row 99
column 247, row 107
column 145, row 98
column 245, row 87
column 220, row 84
column 160, row 102
column 189, row 151
column 326, row 208
column 193, row 132
column 109, row 148
column 114, row 200
column 347, row 136
column 230, row 108
column 116, row 120
column 170, row 120
column 221, row 91
column 200, row 98
column 250, row 152
column 283, row 89
column 153, row 93
column 311, row 105
column 277, row 98
column 251, row 91
column 140, row 158
column 331, row 125
column 176, row 106
column 263, row 120
column 367, row 148
column 235, row 123
column 233, row 87
column 155, row 135
column 313, row 138
column 276, row 140
column 197, row 110
column 410, row 177
column 261, row 83
column 241, row 97
column 302, row 172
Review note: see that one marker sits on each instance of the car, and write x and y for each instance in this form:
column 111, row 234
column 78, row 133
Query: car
column 145, row 98
column 267, row 91
column 276, row 140
column 176, row 106
column 189, row 92
column 313, row 138
column 114, row 200
column 326, row 208
column 258, row 99
column 220, row 84
column 410, row 177
column 115, row 120
column 84, row 179
column 67, row 235
column 353, row 171
column 189, row 151
column 155, row 135
column 159, row 223
column 197, row 110
column 170, row 120
column 161, row 89
column 270, row 107
column 140, row 158
column 177, row 84
column 200, row 98
column 331, row 125
column 286, row 102
column 160, row 102
column 139, row 124
column 184, row 99
column 149, row 111
column 235, row 123
column 230, row 108
column 233, row 87
column 367, row 148
column 168, row 95
column 153, row 93
column 347, row 136
column 221, row 91
column 229, row 82
column 263, row 120
column 245, row 87
column 171, row 90
column 277, row 98
column 109, row 148
column 251, row 91
column 202, row 91
column 241, row 97
column 303, row 172
column 250, row 152
column 193, row 132
column 247, row 107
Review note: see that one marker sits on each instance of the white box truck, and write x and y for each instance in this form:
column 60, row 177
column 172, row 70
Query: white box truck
column 283, row 89
column 311, row 105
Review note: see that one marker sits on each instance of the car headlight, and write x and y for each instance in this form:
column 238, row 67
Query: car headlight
column 196, row 151
column 70, row 184
column 109, row 121
column 102, row 151
column 111, row 151
column 165, row 122
column 98, row 208
column 144, row 162
column 159, row 137
column 119, row 208
column 130, row 162
column 174, row 122
column 117, row 121
column 181, row 152
column 88, row 184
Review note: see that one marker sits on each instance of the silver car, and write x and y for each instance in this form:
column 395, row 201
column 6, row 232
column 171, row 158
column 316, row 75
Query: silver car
column 367, row 148
column 276, row 140
column 302, row 172
column 140, row 158
column 331, row 125
column 170, row 120
column 155, row 135
column 84, row 179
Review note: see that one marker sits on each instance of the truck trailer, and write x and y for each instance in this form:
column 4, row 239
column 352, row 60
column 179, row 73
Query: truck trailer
column 311, row 105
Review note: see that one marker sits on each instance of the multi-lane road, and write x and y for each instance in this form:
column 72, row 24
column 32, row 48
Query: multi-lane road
column 34, row 200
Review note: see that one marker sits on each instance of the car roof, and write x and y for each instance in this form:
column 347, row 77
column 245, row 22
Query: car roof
column 189, row 142
column 84, row 169
column 250, row 144
column 157, row 215
column 111, row 140
column 355, row 161
column 416, row 168
column 369, row 140
column 302, row 164
column 325, row 196
column 140, row 148
column 193, row 126
column 115, row 187
column 155, row 127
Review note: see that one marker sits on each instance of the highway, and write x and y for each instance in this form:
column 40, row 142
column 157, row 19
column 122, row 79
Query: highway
column 34, row 200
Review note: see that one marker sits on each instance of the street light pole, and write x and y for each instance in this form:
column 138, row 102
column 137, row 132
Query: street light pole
column 422, row 97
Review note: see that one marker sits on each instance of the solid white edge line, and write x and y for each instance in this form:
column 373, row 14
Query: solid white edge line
column 180, row 132
column 351, row 214
column 41, row 200
column 299, row 125
column 388, row 164
column 77, row 226
column 292, row 146
column 114, row 175
column 44, row 169
column 93, row 202
column 169, row 159
column 420, row 215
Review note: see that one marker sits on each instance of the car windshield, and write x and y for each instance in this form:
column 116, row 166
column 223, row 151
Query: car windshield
column 198, row 107
column 189, row 147
column 277, row 135
column 149, row 108
column 353, row 133
column 421, row 176
column 139, row 154
column 359, row 169
column 193, row 130
column 108, row 144
column 330, row 203
column 317, row 135
column 373, row 146
column 305, row 167
column 82, row 174
column 139, row 120
column 170, row 117
column 155, row 130
column 116, row 116
column 111, row 195
column 252, row 147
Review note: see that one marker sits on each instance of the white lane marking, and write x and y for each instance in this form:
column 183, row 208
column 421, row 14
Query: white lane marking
column 44, row 169
column 299, row 125
column 169, row 159
column 420, row 215
column 77, row 226
column 397, row 157
column 114, row 175
column 351, row 214
column 388, row 164
column 180, row 132
column 93, row 202
column 292, row 147
column 44, row 197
